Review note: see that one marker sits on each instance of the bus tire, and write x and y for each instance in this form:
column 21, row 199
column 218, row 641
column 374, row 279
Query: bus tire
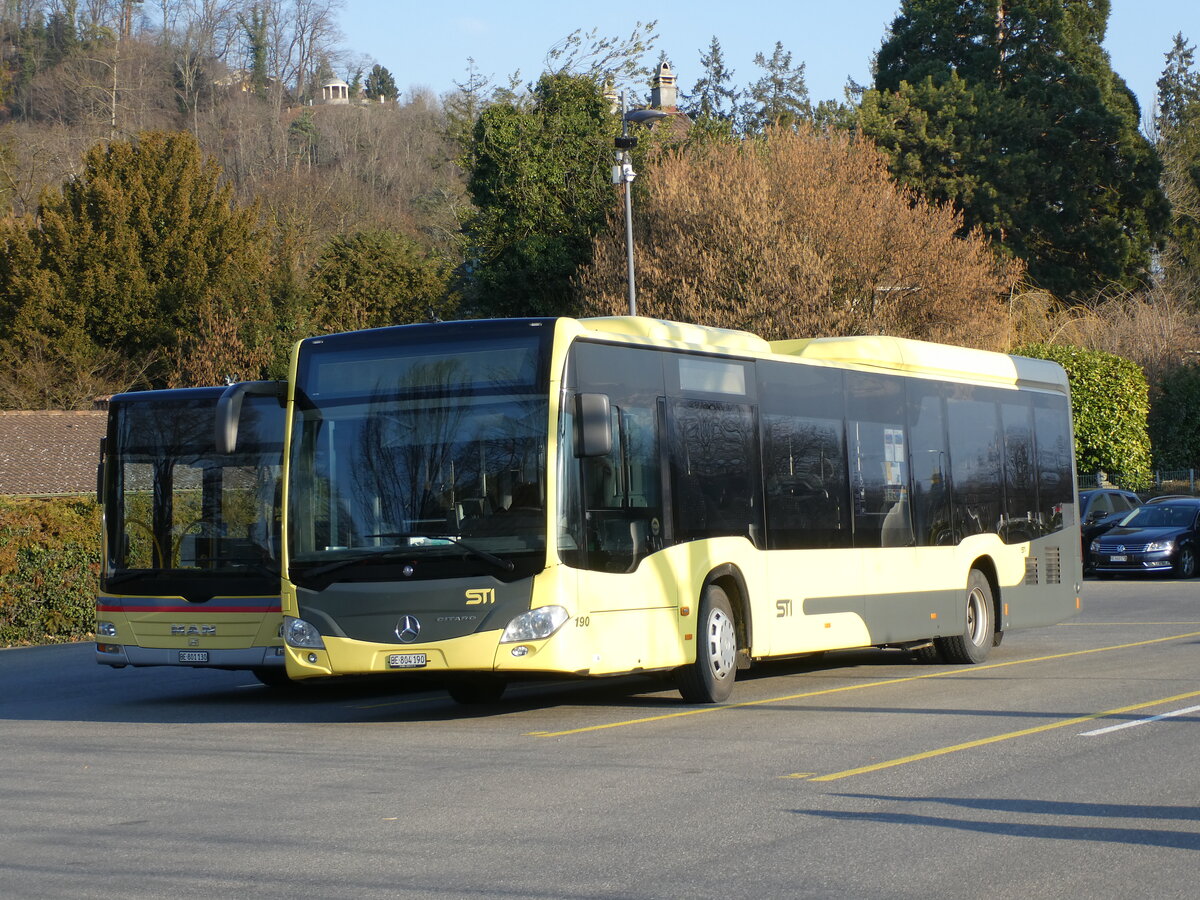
column 710, row 678
column 928, row 654
column 476, row 691
column 974, row 644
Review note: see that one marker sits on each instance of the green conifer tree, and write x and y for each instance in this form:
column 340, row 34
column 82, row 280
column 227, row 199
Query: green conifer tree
column 1178, row 133
column 1011, row 110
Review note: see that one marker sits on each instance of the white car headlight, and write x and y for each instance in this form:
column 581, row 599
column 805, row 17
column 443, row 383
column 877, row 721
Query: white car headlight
column 299, row 633
column 1095, row 548
column 1156, row 546
column 534, row 625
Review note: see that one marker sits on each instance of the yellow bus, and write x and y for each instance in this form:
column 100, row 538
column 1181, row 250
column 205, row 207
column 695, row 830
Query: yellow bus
column 503, row 500
column 189, row 573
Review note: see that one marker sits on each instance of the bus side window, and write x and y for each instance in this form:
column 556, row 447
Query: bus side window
column 976, row 464
column 714, row 468
column 621, row 491
column 929, row 461
column 878, row 443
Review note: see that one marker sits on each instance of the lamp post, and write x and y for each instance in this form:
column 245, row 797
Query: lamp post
column 623, row 174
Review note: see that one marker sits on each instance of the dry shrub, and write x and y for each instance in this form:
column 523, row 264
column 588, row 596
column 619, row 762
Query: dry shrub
column 801, row 235
column 226, row 343
column 43, row 376
column 1158, row 328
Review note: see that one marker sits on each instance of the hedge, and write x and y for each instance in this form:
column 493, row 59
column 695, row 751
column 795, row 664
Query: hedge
column 49, row 569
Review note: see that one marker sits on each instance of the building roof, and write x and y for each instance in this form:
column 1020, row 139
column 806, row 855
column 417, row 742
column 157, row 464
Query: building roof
column 50, row 451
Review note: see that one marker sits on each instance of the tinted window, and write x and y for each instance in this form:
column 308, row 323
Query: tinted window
column 975, row 460
column 1022, row 519
column 930, row 465
column 1055, row 459
column 804, row 457
column 714, row 471
column 173, row 503
column 612, row 508
column 878, row 460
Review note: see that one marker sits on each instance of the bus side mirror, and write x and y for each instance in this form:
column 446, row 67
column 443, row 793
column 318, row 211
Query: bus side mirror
column 100, row 471
column 229, row 408
column 594, row 423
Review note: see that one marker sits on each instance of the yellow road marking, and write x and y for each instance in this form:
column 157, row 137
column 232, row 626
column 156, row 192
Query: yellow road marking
column 968, row 745
column 965, row 670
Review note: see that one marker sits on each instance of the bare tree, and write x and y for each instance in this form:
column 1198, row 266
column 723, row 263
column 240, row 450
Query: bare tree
column 300, row 34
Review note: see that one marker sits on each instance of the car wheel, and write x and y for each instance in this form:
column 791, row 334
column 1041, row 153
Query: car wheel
column 1185, row 563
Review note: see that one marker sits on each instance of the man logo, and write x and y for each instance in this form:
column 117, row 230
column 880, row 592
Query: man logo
column 476, row 596
column 407, row 629
column 204, row 630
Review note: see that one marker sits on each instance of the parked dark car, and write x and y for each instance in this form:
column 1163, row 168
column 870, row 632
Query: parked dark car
column 1099, row 510
column 1156, row 537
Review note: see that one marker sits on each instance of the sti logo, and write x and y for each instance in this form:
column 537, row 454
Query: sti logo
column 480, row 596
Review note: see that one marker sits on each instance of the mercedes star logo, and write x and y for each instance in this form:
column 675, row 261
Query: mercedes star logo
column 407, row 629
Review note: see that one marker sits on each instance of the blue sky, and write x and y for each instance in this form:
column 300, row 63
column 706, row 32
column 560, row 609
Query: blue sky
column 426, row 44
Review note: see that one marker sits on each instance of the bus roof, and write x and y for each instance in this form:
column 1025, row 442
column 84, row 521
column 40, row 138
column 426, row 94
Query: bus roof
column 878, row 352
column 168, row 395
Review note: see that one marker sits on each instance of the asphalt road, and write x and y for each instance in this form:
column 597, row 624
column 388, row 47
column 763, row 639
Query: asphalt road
column 1063, row 767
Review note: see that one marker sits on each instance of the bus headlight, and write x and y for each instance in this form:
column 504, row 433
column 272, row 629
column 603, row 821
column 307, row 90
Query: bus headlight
column 108, row 629
column 299, row 633
column 534, row 625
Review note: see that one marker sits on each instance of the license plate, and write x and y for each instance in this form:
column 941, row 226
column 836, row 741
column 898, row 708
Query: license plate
column 1118, row 559
column 193, row 656
column 406, row 660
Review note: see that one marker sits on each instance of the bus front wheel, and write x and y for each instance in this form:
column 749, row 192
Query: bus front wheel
column 275, row 677
column 974, row 644
column 710, row 678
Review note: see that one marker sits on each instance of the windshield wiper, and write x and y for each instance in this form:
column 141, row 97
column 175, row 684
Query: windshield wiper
column 347, row 561
column 337, row 565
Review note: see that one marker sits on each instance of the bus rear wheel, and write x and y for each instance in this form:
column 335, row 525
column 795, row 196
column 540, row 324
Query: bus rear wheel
column 974, row 644
column 710, row 678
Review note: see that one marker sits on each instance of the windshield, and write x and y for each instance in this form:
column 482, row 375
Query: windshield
column 421, row 442
column 1160, row 515
column 174, row 507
